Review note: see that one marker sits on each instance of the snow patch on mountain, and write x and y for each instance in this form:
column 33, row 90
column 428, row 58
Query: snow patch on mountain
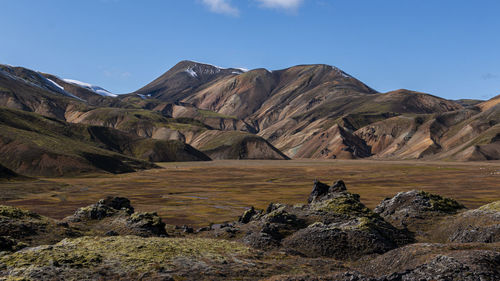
column 221, row 68
column 96, row 89
column 58, row 87
column 55, row 84
column 191, row 72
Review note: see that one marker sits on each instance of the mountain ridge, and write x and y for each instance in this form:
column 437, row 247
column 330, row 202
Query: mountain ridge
column 304, row 111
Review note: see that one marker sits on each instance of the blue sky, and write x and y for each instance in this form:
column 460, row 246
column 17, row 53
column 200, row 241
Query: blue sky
column 449, row 48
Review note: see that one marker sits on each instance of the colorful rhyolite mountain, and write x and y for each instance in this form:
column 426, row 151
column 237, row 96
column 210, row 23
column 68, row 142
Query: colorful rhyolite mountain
column 306, row 111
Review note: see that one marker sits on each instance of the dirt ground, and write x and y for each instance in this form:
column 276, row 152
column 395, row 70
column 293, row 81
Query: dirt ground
column 199, row 193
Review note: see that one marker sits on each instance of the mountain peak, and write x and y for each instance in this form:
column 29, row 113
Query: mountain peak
column 199, row 69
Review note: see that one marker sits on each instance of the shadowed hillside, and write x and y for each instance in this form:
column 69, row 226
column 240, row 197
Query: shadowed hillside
column 35, row 145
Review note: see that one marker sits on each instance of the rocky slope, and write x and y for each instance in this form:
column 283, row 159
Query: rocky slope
column 331, row 237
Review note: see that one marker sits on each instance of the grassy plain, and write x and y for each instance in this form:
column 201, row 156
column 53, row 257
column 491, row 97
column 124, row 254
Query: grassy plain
column 199, row 193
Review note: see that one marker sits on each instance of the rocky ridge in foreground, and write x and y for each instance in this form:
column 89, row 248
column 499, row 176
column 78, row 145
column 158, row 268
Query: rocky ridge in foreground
column 412, row 236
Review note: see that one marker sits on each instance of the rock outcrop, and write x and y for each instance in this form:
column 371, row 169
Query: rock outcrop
column 414, row 208
column 20, row 228
column 115, row 216
column 334, row 223
column 478, row 225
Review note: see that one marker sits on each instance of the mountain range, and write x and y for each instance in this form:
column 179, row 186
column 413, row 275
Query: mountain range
column 195, row 111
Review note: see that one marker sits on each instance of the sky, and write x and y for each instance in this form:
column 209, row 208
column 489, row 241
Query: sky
column 448, row 48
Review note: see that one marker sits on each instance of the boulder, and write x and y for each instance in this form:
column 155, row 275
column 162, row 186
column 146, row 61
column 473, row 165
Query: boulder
column 147, row 224
column 102, row 209
column 321, row 190
column 115, row 216
column 409, row 209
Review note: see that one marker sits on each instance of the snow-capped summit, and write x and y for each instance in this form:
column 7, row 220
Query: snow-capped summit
column 95, row 89
column 198, row 69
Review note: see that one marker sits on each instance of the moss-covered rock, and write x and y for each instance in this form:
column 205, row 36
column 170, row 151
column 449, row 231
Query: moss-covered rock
column 247, row 215
column 98, row 257
column 478, row 225
column 16, row 213
column 415, row 209
column 115, row 215
column 344, row 203
column 147, row 224
column 441, row 204
column 21, row 228
column 493, row 207
column 104, row 208
column 333, row 224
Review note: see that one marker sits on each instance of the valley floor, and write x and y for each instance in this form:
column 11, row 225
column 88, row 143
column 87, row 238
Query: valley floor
column 199, row 193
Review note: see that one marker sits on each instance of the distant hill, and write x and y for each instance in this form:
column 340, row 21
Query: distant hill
column 33, row 145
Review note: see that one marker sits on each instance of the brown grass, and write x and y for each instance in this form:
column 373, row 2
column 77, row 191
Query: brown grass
column 199, row 193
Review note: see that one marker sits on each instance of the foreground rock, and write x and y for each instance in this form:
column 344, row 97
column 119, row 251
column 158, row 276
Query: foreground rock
column 417, row 211
column 20, row 228
column 478, row 225
column 115, row 216
column 437, row 262
column 154, row 258
column 419, row 262
column 332, row 237
column 124, row 257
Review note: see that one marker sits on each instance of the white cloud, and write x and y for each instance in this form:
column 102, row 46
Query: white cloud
column 222, row 7
column 281, row 4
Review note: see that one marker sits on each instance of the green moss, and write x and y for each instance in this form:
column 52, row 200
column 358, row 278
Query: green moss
column 135, row 253
column 442, row 204
column 494, row 206
column 151, row 218
column 347, row 204
column 15, row 213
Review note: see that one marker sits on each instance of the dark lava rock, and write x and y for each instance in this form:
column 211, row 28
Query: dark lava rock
column 321, row 190
column 426, row 261
column 147, row 224
column 345, row 242
column 479, row 225
column 116, row 215
column 469, row 265
column 7, row 244
column 203, row 229
column 104, row 208
column 187, row 229
column 111, row 233
column 341, row 276
column 409, row 208
column 117, row 203
column 21, row 228
column 333, row 224
column 247, row 215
